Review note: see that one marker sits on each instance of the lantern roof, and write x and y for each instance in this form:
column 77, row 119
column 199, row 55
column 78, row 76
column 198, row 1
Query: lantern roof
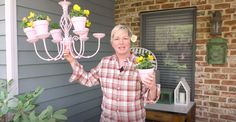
column 184, row 83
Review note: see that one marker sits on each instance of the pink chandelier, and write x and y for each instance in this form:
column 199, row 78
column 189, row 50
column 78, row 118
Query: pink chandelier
column 66, row 42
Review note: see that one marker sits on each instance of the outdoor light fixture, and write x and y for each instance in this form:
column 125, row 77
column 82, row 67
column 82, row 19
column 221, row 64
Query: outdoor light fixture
column 215, row 27
column 64, row 41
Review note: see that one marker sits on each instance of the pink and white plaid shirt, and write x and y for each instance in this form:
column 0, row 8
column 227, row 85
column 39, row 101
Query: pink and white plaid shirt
column 124, row 95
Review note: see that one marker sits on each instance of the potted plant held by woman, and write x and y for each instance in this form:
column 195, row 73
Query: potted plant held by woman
column 145, row 64
column 56, row 32
column 145, row 61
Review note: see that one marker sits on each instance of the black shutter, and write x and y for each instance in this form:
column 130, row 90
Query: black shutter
column 170, row 34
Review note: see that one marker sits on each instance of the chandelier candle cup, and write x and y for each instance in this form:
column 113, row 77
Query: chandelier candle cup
column 56, row 35
column 85, row 34
column 56, row 32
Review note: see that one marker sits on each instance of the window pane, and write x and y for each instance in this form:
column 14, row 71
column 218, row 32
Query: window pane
column 170, row 36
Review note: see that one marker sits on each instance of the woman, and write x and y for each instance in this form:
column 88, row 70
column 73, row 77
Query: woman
column 124, row 94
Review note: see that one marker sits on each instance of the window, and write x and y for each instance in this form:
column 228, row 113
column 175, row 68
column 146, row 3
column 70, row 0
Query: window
column 170, row 34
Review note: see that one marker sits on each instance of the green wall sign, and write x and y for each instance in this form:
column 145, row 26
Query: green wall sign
column 216, row 51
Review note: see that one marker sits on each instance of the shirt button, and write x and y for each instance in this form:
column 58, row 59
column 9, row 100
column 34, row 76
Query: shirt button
column 118, row 99
column 118, row 88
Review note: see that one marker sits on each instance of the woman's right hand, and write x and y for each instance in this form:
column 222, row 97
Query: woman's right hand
column 69, row 57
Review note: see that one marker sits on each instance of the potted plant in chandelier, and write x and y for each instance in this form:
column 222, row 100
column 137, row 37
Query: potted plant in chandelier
column 78, row 17
column 56, row 32
column 27, row 26
column 37, row 23
column 41, row 24
column 86, row 29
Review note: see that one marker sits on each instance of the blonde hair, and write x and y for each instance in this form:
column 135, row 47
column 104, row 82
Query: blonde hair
column 119, row 28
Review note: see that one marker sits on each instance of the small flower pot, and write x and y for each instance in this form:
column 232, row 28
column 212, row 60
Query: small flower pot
column 78, row 23
column 41, row 27
column 31, row 34
column 143, row 73
column 85, row 34
column 56, row 35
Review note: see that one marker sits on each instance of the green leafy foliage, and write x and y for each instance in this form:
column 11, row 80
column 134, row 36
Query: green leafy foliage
column 55, row 26
column 22, row 107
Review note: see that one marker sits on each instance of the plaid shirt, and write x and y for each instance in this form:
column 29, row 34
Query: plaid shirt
column 123, row 93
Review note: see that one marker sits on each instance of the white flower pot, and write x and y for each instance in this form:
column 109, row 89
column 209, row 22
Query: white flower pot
column 56, row 35
column 41, row 27
column 143, row 73
column 31, row 34
column 78, row 23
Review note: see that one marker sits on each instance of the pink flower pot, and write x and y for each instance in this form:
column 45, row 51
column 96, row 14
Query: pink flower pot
column 41, row 27
column 31, row 34
column 78, row 23
column 143, row 73
column 85, row 34
column 56, row 35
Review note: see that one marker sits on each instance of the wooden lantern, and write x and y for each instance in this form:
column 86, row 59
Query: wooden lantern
column 180, row 97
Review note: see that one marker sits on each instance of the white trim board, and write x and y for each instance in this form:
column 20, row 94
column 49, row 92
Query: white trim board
column 11, row 46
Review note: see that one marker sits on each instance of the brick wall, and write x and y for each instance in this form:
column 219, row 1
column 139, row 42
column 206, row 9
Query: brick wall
column 215, row 85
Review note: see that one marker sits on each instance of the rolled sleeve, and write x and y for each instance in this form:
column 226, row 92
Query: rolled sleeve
column 77, row 71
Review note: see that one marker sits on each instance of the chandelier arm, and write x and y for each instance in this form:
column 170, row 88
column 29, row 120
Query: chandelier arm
column 83, row 48
column 60, row 51
column 36, row 51
column 75, row 38
column 95, row 52
column 78, row 55
column 46, row 50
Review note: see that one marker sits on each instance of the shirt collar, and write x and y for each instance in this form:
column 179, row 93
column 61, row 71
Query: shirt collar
column 129, row 59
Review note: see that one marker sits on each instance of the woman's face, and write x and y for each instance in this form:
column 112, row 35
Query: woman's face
column 121, row 42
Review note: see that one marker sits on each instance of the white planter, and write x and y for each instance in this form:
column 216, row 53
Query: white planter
column 78, row 23
column 41, row 27
column 56, row 35
column 31, row 34
column 143, row 73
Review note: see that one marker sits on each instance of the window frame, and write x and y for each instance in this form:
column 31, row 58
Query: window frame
column 194, row 11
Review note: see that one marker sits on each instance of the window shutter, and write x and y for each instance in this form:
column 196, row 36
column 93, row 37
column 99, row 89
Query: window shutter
column 170, row 34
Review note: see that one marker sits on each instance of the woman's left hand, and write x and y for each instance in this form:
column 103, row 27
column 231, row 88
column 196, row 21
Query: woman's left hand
column 150, row 81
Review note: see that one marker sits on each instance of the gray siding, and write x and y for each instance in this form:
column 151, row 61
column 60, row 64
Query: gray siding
column 83, row 103
column 2, row 42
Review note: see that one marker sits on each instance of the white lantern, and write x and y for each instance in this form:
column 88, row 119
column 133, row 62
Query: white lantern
column 182, row 98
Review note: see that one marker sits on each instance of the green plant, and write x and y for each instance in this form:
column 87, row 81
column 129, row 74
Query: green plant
column 22, row 107
column 78, row 11
column 55, row 26
column 144, row 61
